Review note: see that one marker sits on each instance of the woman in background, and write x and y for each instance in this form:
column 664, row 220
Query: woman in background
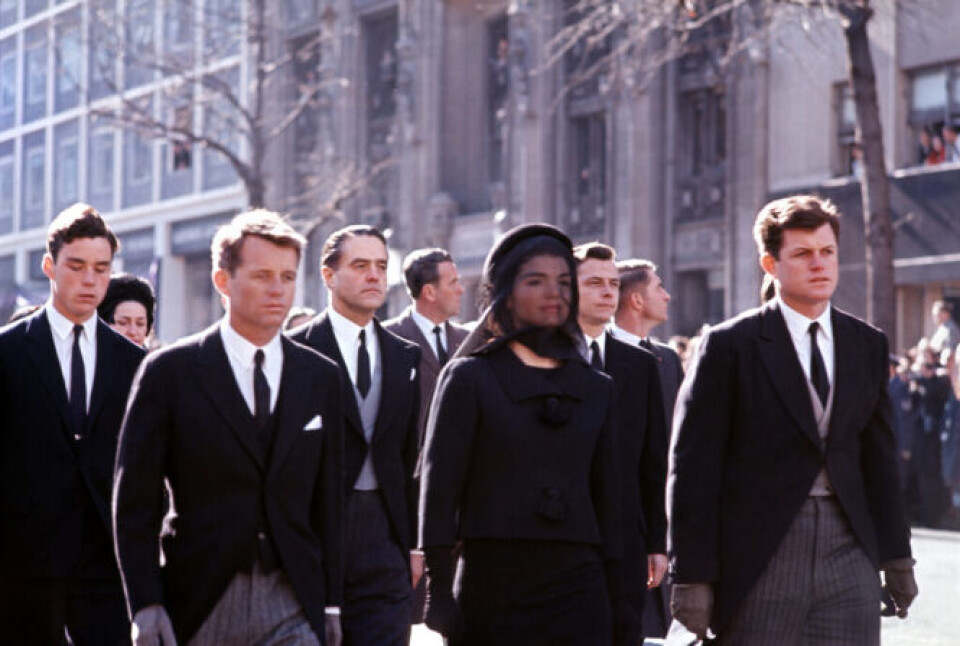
column 129, row 306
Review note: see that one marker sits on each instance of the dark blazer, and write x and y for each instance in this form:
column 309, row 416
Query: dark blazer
column 671, row 374
column 514, row 454
column 641, row 437
column 188, row 426
column 50, row 480
column 746, row 451
column 395, row 441
column 406, row 328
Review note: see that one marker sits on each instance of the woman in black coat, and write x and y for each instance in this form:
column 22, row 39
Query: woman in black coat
column 518, row 465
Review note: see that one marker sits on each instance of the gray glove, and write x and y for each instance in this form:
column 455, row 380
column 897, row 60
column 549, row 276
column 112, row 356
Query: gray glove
column 334, row 636
column 900, row 583
column 692, row 605
column 151, row 627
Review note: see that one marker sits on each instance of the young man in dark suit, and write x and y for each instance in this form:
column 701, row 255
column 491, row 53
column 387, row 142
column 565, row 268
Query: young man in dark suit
column 642, row 306
column 382, row 391
column 434, row 285
column 243, row 429
column 640, row 433
column 783, row 492
column 64, row 379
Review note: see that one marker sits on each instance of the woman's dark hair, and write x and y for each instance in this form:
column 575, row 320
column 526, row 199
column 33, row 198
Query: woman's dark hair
column 123, row 288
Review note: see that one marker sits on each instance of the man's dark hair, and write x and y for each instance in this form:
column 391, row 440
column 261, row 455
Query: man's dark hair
column 123, row 288
column 228, row 241
column 805, row 212
column 78, row 221
column 333, row 247
column 593, row 251
column 421, row 267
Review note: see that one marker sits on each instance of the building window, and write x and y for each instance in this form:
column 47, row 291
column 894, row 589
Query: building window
column 68, row 63
column 67, row 168
column 181, row 153
column 8, row 82
column 498, row 92
column 140, row 161
column 36, row 73
column 178, row 25
column 33, row 179
column 101, row 161
column 588, row 170
column 381, row 83
column 704, row 135
column 6, row 193
column 849, row 154
column 935, row 115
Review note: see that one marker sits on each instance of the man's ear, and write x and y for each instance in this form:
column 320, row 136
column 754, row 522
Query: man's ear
column 327, row 274
column 429, row 292
column 46, row 265
column 636, row 299
column 769, row 264
column 221, row 281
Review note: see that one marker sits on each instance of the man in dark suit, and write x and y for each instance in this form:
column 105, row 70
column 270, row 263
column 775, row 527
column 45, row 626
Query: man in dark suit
column 64, row 378
column 640, row 434
column 243, row 429
column 434, row 285
column 643, row 305
column 783, row 492
column 382, row 384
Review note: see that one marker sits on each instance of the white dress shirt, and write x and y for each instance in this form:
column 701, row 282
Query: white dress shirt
column 426, row 327
column 622, row 335
column 601, row 343
column 799, row 327
column 347, row 334
column 62, row 329
column 240, row 353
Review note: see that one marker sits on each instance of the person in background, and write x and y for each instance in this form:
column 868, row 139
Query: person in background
column 946, row 336
column 129, row 307
column 298, row 316
column 951, row 144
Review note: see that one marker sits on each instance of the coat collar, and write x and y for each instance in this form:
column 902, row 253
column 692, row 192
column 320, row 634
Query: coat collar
column 40, row 348
column 521, row 382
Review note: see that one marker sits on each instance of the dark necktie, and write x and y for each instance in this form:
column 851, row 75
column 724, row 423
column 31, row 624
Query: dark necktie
column 818, row 371
column 363, row 366
column 646, row 344
column 78, row 384
column 261, row 391
column 595, row 359
column 441, row 352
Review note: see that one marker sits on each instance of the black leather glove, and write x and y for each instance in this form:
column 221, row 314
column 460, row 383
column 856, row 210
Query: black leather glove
column 441, row 612
column 900, row 584
column 692, row 605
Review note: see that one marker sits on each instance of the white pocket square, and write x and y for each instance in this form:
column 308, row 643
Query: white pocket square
column 315, row 424
column 413, row 374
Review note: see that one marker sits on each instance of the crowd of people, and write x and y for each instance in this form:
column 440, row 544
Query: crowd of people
column 293, row 477
column 925, row 394
column 938, row 147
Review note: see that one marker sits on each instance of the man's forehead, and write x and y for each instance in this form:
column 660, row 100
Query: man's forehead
column 820, row 237
column 364, row 248
column 592, row 267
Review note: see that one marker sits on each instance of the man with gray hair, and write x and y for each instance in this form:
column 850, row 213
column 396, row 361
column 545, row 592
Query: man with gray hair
column 243, row 428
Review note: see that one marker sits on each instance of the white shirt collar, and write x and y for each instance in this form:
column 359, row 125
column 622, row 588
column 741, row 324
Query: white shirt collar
column 622, row 335
column 799, row 325
column 346, row 330
column 426, row 325
column 243, row 351
column 63, row 327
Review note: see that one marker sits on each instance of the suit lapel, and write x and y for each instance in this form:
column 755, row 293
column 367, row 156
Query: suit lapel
column 427, row 354
column 844, row 371
column 42, row 352
column 216, row 379
column 786, row 374
column 391, row 373
column 293, row 399
column 615, row 365
column 321, row 337
column 104, row 375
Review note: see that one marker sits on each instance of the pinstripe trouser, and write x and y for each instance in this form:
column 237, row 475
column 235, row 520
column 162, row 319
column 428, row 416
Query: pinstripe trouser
column 819, row 588
column 257, row 609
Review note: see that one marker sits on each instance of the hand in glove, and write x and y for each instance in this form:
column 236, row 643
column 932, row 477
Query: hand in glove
column 151, row 626
column 900, row 583
column 441, row 612
column 692, row 605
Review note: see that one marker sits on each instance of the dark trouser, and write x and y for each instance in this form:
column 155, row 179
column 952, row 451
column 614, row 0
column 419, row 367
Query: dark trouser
column 635, row 574
column 818, row 589
column 378, row 598
column 42, row 612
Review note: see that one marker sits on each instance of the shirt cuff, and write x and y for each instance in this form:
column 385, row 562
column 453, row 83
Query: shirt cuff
column 333, row 610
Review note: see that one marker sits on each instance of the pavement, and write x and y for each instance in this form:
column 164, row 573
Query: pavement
column 934, row 618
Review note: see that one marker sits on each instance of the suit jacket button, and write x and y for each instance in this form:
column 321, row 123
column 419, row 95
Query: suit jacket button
column 76, row 437
column 261, row 536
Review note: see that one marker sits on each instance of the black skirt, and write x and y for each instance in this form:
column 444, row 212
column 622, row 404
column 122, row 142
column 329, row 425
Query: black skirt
column 533, row 593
